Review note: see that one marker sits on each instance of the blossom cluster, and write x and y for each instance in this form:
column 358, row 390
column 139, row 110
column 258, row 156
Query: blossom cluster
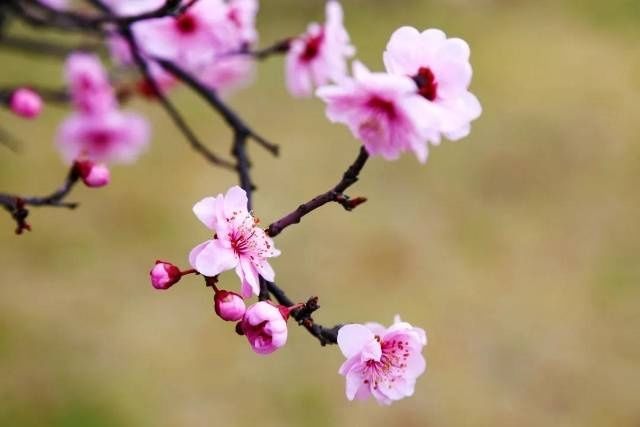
column 420, row 98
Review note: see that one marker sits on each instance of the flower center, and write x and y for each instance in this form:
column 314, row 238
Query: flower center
column 383, row 105
column 186, row 23
column 100, row 137
column 312, row 47
column 426, row 82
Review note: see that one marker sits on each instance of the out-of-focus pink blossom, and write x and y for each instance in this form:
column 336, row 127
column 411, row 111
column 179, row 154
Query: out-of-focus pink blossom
column 25, row 103
column 229, row 305
column 382, row 110
column 164, row 275
column 265, row 327
column 110, row 137
column 383, row 362
column 238, row 242
column 441, row 70
column 91, row 91
column 227, row 73
column 93, row 175
column 55, row 4
column 320, row 55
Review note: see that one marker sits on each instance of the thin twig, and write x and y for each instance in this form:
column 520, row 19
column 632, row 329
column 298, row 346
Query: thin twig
column 336, row 194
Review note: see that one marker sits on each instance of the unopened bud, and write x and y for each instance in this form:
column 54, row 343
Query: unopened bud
column 229, row 305
column 164, row 275
column 25, row 103
column 93, row 174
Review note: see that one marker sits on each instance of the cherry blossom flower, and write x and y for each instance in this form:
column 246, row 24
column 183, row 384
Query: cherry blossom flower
column 229, row 306
column 110, row 137
column 238, row 242
column 25, row 103
column 383, row 362
column 164, row 275
column 441, row 70
column 93, row 175
column 265, row 327
column 320, row 55
column 382, row 110
column 55, row 4
column 91, row 91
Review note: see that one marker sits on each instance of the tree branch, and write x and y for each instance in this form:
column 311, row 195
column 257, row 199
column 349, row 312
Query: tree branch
column 336, row 194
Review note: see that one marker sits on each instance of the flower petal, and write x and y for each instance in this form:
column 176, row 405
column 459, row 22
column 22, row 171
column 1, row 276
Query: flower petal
column 352, row 339
column 213, row 259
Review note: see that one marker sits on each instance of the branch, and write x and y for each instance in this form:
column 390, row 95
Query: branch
column 303, row 316
column 210, row 95
column 336, row 194
column 168, row 106
column 17, row 205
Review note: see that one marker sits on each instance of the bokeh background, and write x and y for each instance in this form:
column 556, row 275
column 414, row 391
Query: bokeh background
column 517, row 249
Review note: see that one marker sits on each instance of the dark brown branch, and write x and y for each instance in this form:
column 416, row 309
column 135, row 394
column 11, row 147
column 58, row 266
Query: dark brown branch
column 303, row 316
column 17, row 205
column 41, row 48
column 336, row 194
column 168, row 105
column 230, row 117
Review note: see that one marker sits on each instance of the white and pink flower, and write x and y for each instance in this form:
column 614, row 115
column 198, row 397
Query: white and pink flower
column 441, row 70
column 381, row 362
column 320, row 55
column 265, row 327
column 382, row 110
column 238, row 242
column 89, row 86
column 110, row 137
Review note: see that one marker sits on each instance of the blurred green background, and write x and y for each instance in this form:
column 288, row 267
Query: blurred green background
column 517, row 249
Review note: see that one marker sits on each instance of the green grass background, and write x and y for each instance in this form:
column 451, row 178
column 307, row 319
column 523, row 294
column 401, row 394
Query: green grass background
column 517, row 249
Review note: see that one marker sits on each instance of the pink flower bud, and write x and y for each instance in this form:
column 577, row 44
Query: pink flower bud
column 164, row 275
column 265, row 327
column 229, row 305
column 25, row 103
column 92, row 174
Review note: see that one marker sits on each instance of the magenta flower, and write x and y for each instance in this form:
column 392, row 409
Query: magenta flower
column 320, row 55
column 265, row 327
column 238, row 241
column 89, row 85
column 382, row 110
column 440, row 68
column 381, row 362
column 25, row 103
column 229, row 306
column 110, row 137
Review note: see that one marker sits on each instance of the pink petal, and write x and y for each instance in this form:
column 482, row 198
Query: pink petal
column 235, row 201
column 214, row 259
column 352, row 339
column 193, row 255
column 265, row 270
column 355, row 386
column 249, row 277
column 206, row 211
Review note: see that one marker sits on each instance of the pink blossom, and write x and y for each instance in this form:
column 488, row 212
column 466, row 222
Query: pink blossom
column 320, row 55
column 265, row 327
column 383, row 362
column 93, row 175
column 91, row 91
column 55, row 4
column 164, row 275
column 382, row 110
column 189, row 39
column 110, row 137
column 238, row 242
column 227, row 73
column 25, row 103
column 229, row 305
column 441, row 70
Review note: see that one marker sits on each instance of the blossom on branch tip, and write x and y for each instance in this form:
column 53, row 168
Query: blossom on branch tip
column 320, row 55
column 442, row 73
column 229, row 306
column 93, row 175
column 382, row 110
column 25, row 103
column 265, row 327
column 238, row 242
column 381, row 362
column 164, row 275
